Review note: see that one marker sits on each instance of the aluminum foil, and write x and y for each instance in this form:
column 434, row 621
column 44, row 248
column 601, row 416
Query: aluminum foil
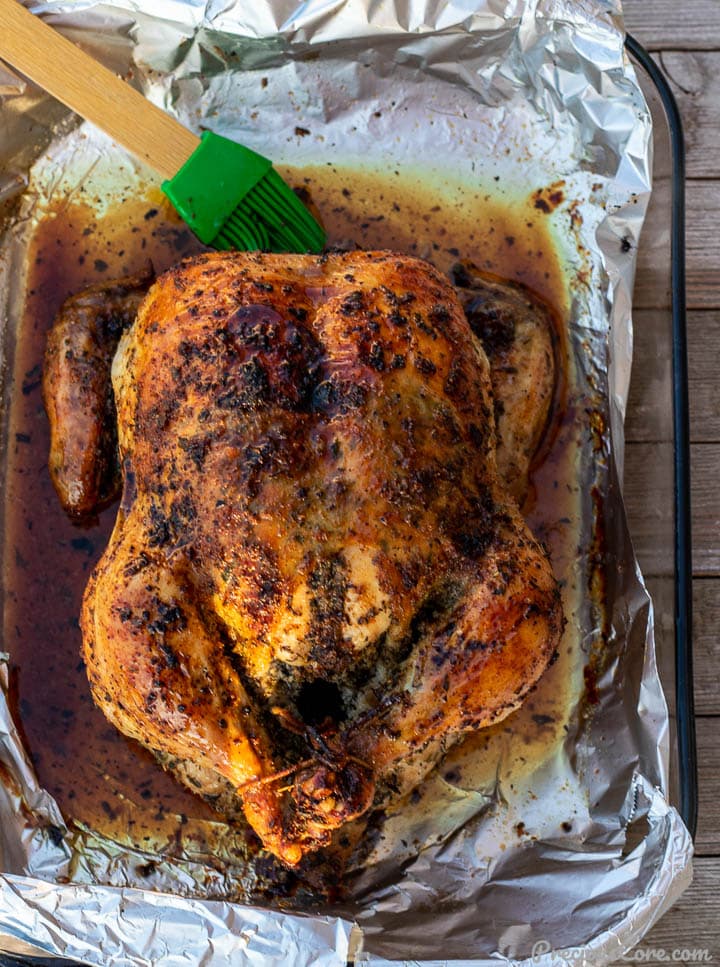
column 548, row 838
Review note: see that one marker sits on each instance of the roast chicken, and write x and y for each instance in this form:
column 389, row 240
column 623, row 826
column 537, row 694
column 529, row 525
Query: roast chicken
column 318, row 580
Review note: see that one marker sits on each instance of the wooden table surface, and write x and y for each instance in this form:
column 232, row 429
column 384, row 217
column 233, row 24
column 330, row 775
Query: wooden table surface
column 684, row 38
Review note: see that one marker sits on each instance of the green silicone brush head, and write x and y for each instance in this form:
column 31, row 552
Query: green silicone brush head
column 232, row 198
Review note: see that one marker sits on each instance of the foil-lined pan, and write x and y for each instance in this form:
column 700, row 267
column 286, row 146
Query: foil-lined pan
column 512, row 134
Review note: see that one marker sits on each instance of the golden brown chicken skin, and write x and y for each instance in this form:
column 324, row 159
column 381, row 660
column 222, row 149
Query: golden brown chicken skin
column 516, row 328
column 316, row 582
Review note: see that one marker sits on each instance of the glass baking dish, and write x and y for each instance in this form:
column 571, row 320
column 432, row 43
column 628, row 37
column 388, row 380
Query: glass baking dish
column 657, row 436
column 657, row 455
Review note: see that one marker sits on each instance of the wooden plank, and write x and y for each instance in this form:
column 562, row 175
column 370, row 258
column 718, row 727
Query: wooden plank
column 692, row 924
column 702, row 243
column 649, row 411
column 703, row 331
column 695, row 79
column 706, row 646
column 705, row 463
column 707, row 840
column 648, row 499
column 668, row 24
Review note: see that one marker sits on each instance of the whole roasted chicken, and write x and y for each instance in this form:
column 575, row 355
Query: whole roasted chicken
column 317, row 581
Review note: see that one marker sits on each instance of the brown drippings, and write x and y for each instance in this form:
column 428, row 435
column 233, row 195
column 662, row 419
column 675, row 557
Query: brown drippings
column 506, row 236
column 549, row 198
column 93, row 772
column 97, row 776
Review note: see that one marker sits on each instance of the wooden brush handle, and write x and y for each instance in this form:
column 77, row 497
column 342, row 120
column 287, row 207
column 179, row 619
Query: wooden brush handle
column 92, row 91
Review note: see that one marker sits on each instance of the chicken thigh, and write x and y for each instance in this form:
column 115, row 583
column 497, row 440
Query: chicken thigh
column 317, row 582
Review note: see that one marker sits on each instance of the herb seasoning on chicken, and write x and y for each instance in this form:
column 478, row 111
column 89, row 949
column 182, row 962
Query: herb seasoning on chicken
column 318, row 581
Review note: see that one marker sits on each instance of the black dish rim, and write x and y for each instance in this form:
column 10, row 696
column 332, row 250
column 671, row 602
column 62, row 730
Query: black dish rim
column 684, row 696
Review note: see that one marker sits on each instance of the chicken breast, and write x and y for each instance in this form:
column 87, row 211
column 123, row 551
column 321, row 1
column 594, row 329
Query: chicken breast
column 317, row 581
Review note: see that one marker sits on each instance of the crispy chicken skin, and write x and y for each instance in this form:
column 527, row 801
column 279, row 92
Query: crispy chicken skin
column 316, row 582
column 515, row 328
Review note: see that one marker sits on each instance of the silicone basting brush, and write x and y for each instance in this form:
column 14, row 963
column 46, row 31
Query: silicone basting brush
column 230, row 196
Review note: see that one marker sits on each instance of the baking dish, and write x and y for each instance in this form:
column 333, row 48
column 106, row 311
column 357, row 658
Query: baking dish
column 657, row 421
column 638, row 532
